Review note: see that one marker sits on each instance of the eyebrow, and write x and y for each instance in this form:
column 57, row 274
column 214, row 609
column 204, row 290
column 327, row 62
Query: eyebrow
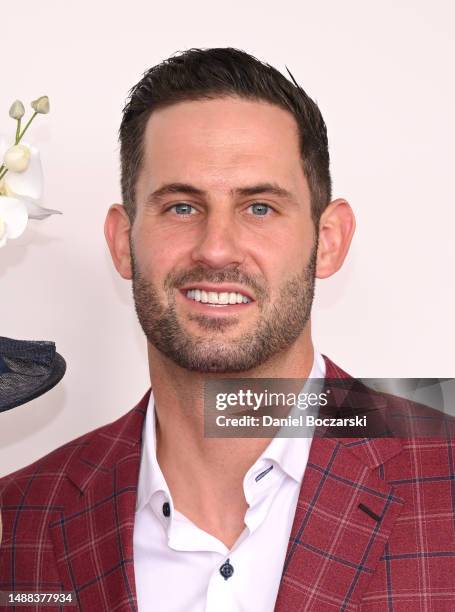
column 188, row 189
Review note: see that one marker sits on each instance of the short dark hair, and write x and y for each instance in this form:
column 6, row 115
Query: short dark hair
column 198, row 74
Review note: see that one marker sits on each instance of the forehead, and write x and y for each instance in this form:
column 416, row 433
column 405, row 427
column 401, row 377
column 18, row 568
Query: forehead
column 224, row 139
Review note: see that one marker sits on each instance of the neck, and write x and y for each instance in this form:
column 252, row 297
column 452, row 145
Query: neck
column 203, row 484
column 179, row 394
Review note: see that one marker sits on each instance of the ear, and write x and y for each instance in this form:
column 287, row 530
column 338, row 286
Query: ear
column 116, row 231
column 336, row 228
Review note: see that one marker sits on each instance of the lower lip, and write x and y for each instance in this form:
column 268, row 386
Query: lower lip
column 216, row 309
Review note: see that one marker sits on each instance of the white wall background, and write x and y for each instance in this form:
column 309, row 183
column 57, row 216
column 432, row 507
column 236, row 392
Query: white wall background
column 382, row 73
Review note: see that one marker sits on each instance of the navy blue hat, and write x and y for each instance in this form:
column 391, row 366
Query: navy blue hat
column 28, row 368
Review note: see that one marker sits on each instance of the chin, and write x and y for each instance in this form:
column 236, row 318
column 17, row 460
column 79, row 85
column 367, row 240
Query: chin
column 214, row 358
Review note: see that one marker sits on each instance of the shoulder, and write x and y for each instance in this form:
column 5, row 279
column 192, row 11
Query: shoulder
column 47, row 473
column 49, row 466
column 401, row 408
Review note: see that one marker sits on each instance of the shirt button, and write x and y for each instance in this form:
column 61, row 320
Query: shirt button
column 226, row 570
column 166, row 509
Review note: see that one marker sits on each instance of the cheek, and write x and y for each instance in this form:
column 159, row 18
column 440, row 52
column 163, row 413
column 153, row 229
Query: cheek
column 286, row 252
column 157, row 255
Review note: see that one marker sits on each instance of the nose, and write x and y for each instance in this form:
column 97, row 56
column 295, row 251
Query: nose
column 218, row 243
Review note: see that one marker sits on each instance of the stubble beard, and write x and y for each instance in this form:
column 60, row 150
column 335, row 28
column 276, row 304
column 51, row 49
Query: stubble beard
column 277, row 328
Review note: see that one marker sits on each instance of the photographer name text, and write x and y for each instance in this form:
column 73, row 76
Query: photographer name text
column 301, row 420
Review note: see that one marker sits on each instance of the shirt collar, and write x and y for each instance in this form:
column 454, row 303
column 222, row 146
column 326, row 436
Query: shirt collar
column 286, row 452
column 289, row 453
column 151, row 478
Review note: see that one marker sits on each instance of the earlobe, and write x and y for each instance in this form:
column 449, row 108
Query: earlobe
column 116, row 232
column 336, row 228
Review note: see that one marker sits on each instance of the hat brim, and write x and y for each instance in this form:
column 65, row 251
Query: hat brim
column 54, row 376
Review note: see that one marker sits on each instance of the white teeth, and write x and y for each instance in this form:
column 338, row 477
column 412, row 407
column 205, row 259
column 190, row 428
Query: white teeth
column 212, row 297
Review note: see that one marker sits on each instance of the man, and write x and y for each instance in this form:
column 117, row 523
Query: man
column 227, row 219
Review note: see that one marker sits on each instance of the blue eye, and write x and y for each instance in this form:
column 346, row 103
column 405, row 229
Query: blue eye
column 260, row 210
column 182, row 209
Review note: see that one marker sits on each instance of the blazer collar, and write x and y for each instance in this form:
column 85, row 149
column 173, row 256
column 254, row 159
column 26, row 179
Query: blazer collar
column 101, row 452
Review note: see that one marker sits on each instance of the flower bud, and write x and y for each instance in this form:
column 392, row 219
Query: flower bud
column 17, row 110
column 41, row 105
column 17, row 158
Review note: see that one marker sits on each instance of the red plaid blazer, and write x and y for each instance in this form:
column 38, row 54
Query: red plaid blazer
column 374, row 528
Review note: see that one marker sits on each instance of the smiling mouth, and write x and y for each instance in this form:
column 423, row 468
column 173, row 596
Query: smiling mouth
column 214, row 298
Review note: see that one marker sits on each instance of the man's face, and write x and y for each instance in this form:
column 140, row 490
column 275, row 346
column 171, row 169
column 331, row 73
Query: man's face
column 223, row 245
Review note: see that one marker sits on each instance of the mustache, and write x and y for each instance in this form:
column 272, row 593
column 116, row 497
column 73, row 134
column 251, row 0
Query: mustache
column 201, row 274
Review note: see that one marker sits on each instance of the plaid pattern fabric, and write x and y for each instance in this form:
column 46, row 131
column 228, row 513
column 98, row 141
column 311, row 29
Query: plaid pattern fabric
column 374, row 527
column 68, row 519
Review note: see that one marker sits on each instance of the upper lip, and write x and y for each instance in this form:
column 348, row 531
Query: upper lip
column 219, row 288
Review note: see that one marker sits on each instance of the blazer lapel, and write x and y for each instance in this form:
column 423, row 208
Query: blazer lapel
column 345, row 514
column 93, row 533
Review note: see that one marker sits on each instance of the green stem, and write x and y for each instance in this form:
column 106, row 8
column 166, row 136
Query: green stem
column 3, row 172
column 26, row 127
column 18, row 130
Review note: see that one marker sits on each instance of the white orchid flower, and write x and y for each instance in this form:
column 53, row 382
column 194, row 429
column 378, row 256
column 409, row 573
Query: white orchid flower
column 13, row 218
column 20, row 194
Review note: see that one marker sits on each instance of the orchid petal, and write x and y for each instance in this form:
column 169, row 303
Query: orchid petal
column 35, row 211
column 29, row 183
column 14, row 213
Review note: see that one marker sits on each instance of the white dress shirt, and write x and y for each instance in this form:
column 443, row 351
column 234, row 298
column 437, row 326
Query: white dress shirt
column 177, row 564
